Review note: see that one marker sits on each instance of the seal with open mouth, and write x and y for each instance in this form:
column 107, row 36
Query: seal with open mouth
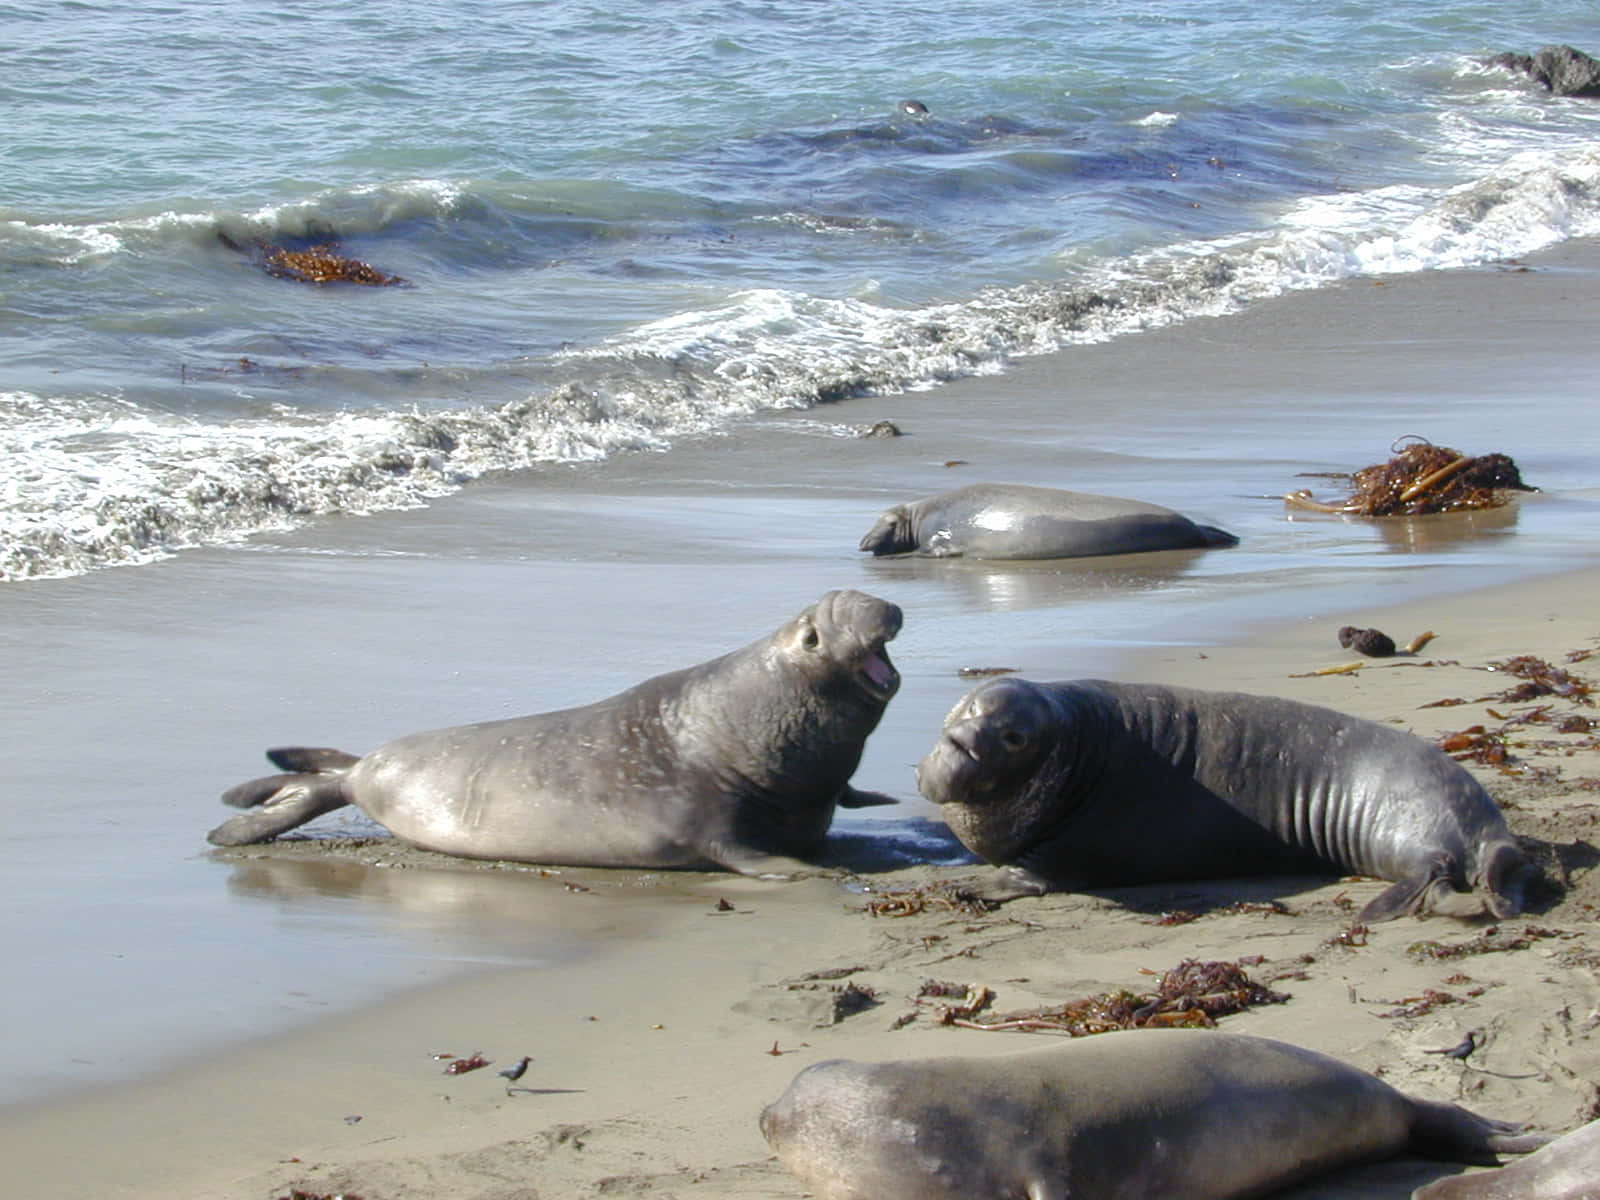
column 736, row 763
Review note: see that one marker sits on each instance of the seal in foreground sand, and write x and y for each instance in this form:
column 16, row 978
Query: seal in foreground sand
column 1089, row 784
column 1144, row 1113
column 734, row 763
column 1004, row 520
column 1567, row 1169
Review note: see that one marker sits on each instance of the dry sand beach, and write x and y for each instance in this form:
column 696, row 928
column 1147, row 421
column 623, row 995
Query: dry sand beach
column 702, row 995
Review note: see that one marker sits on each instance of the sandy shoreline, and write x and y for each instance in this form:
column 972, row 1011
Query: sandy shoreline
column 654, row 1050
column 652, row 1061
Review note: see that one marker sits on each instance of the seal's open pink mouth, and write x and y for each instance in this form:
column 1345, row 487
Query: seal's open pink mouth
column 880, row 674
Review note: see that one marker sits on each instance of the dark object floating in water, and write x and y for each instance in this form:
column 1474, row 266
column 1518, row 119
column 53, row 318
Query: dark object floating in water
column 320, row 263
column 1424, row 478
column 915, row 107
column 1561, row 69
column 880, row 429
column 1374, row 643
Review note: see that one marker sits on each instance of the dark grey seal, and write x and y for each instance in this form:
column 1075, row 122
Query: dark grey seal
column 1567, row 1169
column 735, row 763
column 1185, row 1114
column 1010, row 520
column 1093, row 784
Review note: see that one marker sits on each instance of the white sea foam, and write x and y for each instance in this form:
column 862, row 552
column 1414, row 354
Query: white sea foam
column 98, row 481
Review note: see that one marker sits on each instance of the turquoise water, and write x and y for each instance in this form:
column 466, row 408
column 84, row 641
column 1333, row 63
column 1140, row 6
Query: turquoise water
column 622, row 224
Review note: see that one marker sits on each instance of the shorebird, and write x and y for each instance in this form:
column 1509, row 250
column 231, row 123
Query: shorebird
column 516, row 1071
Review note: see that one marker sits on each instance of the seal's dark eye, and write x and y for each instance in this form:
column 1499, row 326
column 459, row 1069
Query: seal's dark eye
column 1011, row 739
column 812, row 639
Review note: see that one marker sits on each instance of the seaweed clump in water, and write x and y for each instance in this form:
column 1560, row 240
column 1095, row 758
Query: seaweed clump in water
column 322, row 264
column 319, row 263
column 1424, row 478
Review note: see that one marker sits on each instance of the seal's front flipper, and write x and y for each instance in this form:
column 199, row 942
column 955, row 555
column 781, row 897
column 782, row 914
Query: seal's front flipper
column 1503, row 878
column 1414, row 895
column 851, row 798
column 756, row 863
column 296, row 800
column 1012, row 883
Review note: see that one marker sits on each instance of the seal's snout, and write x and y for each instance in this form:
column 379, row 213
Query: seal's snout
column 891, row 535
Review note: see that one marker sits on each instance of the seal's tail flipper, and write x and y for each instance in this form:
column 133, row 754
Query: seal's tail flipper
column 256, row 792
column 1448, row 1131
column 313, row 785
column 1503, row 876
column 284, row 802
column 310, row 759
column 1216, row 537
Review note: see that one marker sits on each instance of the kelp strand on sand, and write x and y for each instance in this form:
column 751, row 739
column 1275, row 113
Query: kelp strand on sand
column 1421, row 478
column 1191, row 995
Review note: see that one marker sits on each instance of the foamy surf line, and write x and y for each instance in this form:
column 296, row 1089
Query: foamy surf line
column 97, row 482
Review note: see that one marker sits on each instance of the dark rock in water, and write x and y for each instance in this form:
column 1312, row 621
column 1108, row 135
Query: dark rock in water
column 1374, row 643
column 879, row 429
column 1561, row 69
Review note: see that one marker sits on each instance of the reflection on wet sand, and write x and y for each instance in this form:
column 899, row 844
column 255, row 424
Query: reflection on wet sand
column 527, row 911
column 1019, row 584
column 1431, row 533
column 1445, row 531
column 544, row 910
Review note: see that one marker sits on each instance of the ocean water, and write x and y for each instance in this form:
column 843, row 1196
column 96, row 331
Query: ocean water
column 621, row 224
column 240, row 510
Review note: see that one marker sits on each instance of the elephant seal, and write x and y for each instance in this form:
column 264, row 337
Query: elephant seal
column 1567, row 1169
column 736, row 763
column 1007, row 520
column 1088, row 784
column 1121, row 1116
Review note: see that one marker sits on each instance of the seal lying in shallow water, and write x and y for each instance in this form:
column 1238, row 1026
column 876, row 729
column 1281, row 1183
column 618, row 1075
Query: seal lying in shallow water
column 1567, row 1169
column 1004, row 520
column 734, row 763
column 1187, row 1114
column 1094, row 784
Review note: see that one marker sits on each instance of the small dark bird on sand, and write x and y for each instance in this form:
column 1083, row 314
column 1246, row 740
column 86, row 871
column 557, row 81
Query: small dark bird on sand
column 1462, row 1049
column 516, row 1071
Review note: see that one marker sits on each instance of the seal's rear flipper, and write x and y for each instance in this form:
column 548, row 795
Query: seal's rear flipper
column 308, row 760
column 257, row 791
column 1448, row 1131
column 296, row 800
column 1216, row 537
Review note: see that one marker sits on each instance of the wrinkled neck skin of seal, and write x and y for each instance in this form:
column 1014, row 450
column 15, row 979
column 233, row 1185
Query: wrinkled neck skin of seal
column 783, row 722
column 1016, row 798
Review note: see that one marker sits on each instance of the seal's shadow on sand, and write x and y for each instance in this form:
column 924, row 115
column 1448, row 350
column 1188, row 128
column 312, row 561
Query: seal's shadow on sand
column 1558, row 863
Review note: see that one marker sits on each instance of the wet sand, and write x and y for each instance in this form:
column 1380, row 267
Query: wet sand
column 159, row 688
column 652, row 1056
